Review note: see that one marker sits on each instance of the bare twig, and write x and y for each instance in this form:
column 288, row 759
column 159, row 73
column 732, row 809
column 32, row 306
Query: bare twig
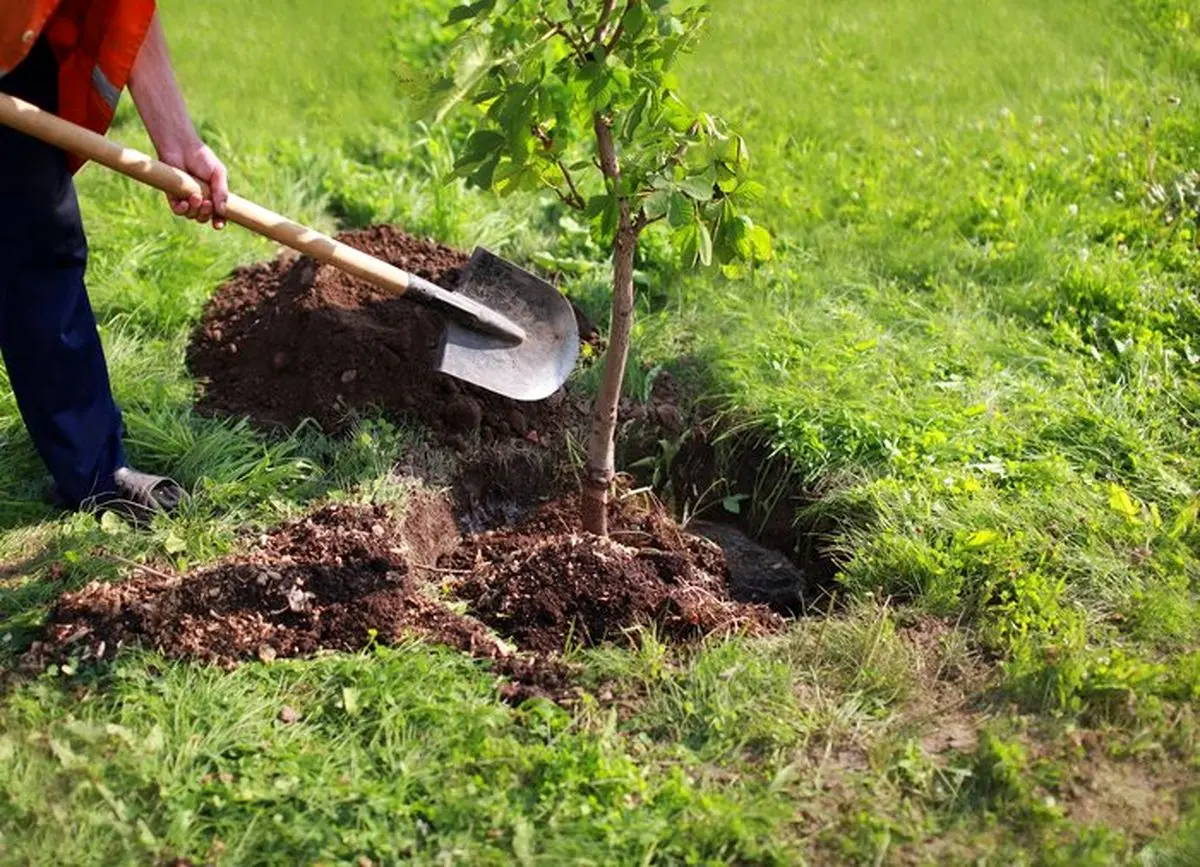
column 557, row 28
column 133, row 564
column 566, row 198
column 580, row 203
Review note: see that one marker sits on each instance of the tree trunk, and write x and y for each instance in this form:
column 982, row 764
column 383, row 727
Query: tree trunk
column 600, row 468
column 600, row 465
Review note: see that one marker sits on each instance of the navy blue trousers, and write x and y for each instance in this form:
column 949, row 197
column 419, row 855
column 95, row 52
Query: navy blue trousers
column 48, row 337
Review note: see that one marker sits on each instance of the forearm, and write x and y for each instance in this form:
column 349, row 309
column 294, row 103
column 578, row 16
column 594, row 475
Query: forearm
column 156, row 94
column 157, row 97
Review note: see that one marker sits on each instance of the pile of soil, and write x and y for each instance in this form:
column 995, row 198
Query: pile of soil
column 544, row 586
column 347, row 576
column 339, row 579
column 293, row 339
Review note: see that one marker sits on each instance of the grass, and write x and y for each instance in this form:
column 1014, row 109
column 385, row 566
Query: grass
column 975, row 353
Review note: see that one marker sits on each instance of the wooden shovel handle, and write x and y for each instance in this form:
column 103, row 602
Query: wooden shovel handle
column 83, row 142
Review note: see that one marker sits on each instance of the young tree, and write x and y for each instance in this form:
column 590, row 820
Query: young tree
column 579, row 96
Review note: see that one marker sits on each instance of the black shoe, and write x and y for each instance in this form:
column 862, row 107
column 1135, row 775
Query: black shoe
column 139, row 496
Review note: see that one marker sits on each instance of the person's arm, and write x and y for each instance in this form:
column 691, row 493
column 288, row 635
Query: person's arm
column 158, row 100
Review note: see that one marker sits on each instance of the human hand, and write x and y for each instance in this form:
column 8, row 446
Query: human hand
column 200, row 162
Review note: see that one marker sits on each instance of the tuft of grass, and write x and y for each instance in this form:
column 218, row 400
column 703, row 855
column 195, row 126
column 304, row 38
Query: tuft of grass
column 152, row 762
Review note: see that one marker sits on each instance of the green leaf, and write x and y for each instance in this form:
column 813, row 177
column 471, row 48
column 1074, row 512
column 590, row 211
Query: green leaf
column 610, row 217
column 657, row 204
column 676, row 115
column 681, row 211
column 706, row 245
column 760, row 241
column 687, row 240
column 1121, row 503
column 174, row 545
column 982, row 538
column 727, row 179
column 733, row 152
column 484, row 176
column 749, row 193
column 469, row 11
column 479, row 147
column 596, row 206
column 350, row 700
column 112, row 524
column 700, row 187
column 637, row 112
column 1185, row 520
column 734, row 238
column 636, row 20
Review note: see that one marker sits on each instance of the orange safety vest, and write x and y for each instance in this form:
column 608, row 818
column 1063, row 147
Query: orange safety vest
column 96, row 43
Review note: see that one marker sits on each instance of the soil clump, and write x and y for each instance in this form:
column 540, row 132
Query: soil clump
column 545, row 585
column 292, row 339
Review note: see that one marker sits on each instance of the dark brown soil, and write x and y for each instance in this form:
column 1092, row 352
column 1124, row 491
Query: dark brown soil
column 291, row 339
column 347, row 576
column 338, row 580
column 545, row 586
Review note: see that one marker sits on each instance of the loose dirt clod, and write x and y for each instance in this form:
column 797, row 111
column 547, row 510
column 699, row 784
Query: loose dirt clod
column 292, row 339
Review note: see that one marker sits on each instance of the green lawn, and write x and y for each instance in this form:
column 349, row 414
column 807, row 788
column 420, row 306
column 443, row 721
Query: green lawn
column 975, row 355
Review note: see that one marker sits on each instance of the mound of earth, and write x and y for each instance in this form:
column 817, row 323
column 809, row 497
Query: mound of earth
column 338, row 580
column 292, row 339
column 543, row 585
column 347, row 576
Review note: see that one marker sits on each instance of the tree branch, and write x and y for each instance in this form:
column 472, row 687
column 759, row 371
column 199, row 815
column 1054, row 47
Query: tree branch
column 616, row 37
column 609, row 164
column 605, row 15
column 555, row 27
column 580, row 203
column 567, row 198
column 641, row 222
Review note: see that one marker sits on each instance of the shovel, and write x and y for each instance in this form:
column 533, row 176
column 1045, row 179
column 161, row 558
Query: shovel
column 507, row 331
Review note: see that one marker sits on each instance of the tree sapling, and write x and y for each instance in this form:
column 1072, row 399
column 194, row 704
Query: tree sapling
column 579, row 96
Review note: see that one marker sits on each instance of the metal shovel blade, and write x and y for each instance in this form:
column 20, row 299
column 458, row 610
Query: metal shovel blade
column 534, row 368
